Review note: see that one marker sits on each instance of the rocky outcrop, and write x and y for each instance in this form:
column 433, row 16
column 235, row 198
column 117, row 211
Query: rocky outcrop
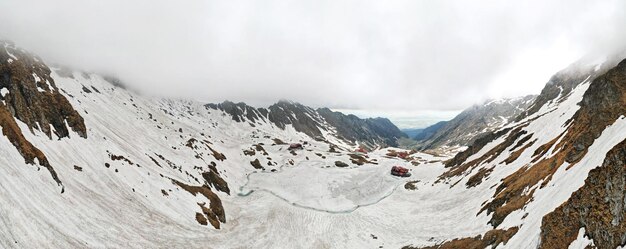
column 473, row 123
column 599, row 207
column 28, row 94
column 215, row 212
column 213, row 179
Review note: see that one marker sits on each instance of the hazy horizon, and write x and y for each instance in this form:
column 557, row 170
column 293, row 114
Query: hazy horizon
column 403, row 119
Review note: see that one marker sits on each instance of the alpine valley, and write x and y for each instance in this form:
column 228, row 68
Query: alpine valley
column 87, row 163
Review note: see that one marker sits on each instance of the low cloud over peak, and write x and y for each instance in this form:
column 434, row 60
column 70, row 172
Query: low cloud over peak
column 409, row 55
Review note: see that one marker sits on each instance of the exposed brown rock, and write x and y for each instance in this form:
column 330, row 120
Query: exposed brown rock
column 36, row 102
column 256, row 164
column 34, row 99
column 12, row 131
column 190, row 143
column 215, row 213
column 411, row 185
column 492, row 238
column 259, row 148
column 201, row 219
column 477, row 178
column 518, row 153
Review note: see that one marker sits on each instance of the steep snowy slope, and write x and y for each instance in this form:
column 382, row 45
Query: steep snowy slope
column 532, row 166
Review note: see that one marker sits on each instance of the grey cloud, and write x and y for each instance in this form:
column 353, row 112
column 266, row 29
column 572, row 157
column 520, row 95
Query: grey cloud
column 407, row 54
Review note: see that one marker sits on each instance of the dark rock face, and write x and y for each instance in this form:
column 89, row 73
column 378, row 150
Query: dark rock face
column 599, row 207
column 239, row 111
column 32, row 96
column 473, row 123
column 303, row 118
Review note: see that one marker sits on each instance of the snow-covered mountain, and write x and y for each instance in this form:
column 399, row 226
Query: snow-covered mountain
column 87, row 163
column 473, row 122
column 369, row 132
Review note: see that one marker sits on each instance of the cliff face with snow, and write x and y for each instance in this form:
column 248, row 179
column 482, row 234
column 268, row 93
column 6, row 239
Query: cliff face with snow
column 369, row 133
column 86, row 163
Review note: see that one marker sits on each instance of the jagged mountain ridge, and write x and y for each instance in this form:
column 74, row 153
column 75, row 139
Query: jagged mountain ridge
column 369, row 132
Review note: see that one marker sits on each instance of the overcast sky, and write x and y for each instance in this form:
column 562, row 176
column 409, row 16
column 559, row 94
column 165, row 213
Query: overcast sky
column 412, row 55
